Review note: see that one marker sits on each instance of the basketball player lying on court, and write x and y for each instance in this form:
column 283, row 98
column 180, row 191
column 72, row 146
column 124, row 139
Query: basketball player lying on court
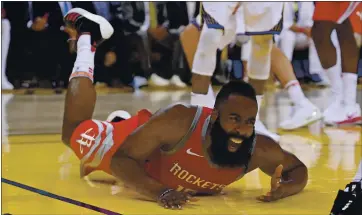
column 179, row 151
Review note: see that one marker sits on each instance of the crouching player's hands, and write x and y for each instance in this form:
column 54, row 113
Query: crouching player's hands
column 276, row 192
column 172, row 199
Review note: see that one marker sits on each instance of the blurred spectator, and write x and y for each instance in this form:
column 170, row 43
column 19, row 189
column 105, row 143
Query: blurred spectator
column 16, row 64
column 49, row 57
column 135, row 24
column 172, row 17
column 42, row 60
column 61, row 37
column 5, row 43
column 296, row 34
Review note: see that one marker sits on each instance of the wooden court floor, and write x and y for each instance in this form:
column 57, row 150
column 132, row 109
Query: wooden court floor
column 33, row 155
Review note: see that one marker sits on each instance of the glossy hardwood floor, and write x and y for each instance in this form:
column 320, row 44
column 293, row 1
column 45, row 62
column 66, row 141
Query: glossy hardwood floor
column 32, row 154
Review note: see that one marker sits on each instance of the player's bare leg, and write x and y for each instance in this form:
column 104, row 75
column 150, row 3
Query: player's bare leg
column 204, row 63
column 258, row 73
column 190, row 39
column 349, row 57
column 321, row 32
column 305, row 112
column 344, row 109
column 81, row 95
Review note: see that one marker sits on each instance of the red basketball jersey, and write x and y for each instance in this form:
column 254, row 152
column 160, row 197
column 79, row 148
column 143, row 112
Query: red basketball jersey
column 185, row 168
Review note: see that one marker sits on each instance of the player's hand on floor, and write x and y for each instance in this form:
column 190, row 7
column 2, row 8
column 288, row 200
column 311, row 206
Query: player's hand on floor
column 276, row 191
column 172, row 199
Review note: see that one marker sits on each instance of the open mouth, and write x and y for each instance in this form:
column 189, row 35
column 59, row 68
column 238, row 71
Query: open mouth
column 236, row 140
column 234, row 144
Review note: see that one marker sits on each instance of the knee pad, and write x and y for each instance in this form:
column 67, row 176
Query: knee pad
column 260, row 57
column 205, row 56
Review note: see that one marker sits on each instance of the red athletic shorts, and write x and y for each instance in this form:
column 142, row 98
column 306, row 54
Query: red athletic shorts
column 94, row 142
column 336, row 12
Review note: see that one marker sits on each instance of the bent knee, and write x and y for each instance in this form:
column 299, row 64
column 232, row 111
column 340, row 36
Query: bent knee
column 209, row 38
column 261, row 47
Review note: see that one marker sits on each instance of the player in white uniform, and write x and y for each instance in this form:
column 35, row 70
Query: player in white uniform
column 221, row 21
column 241, row 19
column 5, row 41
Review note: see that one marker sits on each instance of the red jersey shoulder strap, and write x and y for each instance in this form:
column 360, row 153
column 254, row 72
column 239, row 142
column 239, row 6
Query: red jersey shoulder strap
column 188, row 134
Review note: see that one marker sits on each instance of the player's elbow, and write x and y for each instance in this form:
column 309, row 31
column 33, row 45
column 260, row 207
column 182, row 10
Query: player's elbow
column 300, row 176
column 296, row 179
column 304, row 173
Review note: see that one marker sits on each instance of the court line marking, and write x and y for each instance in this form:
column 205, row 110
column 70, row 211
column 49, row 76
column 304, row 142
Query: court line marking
column 57, row 197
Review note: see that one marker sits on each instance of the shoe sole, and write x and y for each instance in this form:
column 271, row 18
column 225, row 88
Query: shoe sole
column 308, row 122
column 105, row 27
column 353, row 121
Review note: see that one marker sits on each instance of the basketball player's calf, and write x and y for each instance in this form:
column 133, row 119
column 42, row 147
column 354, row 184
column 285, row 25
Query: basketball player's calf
column 322, row 30
column 203, row 66
column 343, row 89
column 259, row 67
column 349, row 48
column 81, row 95
column 305, row 111
column 190, row 38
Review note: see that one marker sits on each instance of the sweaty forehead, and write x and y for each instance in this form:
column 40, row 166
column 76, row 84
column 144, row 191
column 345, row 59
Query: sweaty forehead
column 238, row 103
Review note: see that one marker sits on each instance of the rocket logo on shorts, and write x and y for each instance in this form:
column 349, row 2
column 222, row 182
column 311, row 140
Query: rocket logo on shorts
column 86, row 139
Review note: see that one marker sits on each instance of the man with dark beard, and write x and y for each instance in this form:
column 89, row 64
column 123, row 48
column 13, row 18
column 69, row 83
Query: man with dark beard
column 179, row 151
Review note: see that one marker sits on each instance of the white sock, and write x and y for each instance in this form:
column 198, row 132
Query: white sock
column 84, row 64
column 350, row 88
column 210, row 92
column 207, row 100
column 295, row 93
column 334, row 76
column 259, row 100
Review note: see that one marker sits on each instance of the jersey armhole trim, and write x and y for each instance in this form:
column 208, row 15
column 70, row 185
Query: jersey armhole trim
column 188, row 134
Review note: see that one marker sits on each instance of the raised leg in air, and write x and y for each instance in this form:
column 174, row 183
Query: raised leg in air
column 81, row 95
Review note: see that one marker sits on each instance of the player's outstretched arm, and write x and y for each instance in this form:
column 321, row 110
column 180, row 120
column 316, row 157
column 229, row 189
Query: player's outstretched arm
column 164, row 129
column 289, row 174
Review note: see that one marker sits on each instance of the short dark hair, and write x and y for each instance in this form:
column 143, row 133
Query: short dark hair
column 235, row 88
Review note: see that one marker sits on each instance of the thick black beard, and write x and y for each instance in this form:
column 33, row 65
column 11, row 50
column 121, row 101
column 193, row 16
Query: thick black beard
column 220, row 155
